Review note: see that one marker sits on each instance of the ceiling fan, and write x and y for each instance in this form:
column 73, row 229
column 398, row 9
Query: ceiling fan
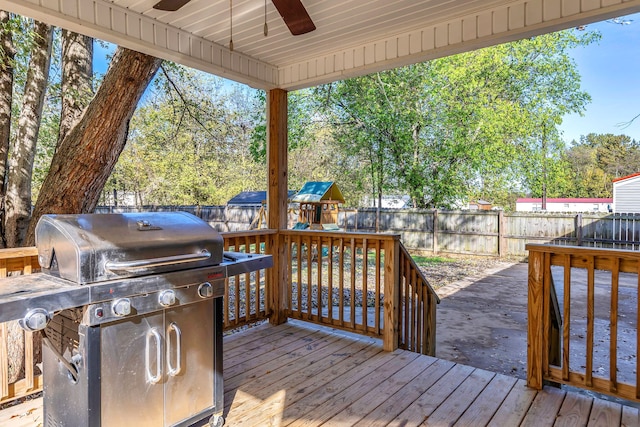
column 293, row 13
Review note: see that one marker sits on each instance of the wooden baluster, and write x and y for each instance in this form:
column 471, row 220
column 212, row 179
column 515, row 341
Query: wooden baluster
column 352, row 297
column 411, row 290
column 341, row 282
column 535, row 306
column 4, row 361
column 319, row 281
column 405, row 287
column 378, row 287
column 566, row 327
column 546, row 313
column 247, row 283
column 613, row 326
column 236, row 292
column 365, row 267
column 288, row 241
column 391, row 294
column 257, row 274
column 588, row 379
column 227, row 322
column 28, row 361
column 299, row 287
column 309, row 274
column 430, row 323
column 330, row 281
column 419, row 307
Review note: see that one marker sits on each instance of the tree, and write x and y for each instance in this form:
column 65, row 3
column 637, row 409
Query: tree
column 86, row 156
column 7, row 57
column 18, row 195
column 439, row 130
column 192, row 134
column 77, row 79
column 597, row 159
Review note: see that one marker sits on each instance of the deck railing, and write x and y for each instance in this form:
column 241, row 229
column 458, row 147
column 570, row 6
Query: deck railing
column 595, row 344
column 246, row 295
column 417, row 321
column 365, row 283
column 18, row 261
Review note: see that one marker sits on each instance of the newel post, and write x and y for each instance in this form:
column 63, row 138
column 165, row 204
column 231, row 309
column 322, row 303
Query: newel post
column 535, row 329
column 277, row 188
column 391, row 293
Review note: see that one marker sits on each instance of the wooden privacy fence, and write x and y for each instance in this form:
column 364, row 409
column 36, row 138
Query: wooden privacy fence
column 497, row 233
column 490, row 233
column 595, row 344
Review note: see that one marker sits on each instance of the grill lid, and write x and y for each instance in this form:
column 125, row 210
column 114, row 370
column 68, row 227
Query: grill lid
column 89, row 248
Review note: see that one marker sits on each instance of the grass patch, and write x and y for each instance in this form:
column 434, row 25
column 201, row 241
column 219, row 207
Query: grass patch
column 430, row 261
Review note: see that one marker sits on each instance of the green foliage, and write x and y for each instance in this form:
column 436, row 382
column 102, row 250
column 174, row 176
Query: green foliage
column 468, row 125
column 595, row 161
column 188, row 144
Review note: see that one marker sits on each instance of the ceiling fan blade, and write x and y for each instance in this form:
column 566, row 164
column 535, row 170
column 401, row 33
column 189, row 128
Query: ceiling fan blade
column 170, row 5
column 294, row 15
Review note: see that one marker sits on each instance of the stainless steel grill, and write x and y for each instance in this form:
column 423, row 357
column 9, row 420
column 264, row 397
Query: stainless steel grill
column 130, row 306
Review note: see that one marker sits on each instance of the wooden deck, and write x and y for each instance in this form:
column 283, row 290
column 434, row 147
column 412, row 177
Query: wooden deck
column 301, row 374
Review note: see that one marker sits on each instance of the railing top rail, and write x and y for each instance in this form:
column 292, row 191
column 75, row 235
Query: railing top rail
column 342, row 234
column 18, row 252
column 261, row 232
column 603, row 258
column 581, row 250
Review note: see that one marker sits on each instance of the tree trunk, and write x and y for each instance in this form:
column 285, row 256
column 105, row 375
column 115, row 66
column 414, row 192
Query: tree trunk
column 18, row 199
column 85, row 158
column 7, row 56
column 77, row 79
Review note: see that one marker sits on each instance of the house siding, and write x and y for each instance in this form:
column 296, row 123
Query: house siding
column 626, row 195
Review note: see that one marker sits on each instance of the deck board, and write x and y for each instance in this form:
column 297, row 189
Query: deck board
column 487, row 403
column 301, row 374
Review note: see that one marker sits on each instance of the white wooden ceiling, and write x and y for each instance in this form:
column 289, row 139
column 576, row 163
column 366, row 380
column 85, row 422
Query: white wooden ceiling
column 353, row 37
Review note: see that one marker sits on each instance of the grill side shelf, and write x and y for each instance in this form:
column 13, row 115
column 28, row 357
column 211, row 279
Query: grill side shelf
column 20, row 294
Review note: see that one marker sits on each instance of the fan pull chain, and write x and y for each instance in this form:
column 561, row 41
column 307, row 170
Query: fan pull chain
column 231, row 25
column 266, row 28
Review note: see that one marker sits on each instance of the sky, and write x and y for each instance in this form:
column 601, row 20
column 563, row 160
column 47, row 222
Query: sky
column 610, row 73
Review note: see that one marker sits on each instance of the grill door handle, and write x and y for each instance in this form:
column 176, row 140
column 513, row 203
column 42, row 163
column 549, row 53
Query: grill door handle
column 153, row 334
column 174, row 370
column 156, row 262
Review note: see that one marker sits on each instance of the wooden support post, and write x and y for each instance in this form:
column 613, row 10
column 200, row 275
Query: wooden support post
column 502, row 249
column 578, row 229
column 435, row 231
column 535, row 329
column 391, row 294
column 277, row 188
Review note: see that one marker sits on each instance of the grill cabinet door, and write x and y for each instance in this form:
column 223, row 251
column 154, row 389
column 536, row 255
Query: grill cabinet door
column 130, row 351
column 189, row 364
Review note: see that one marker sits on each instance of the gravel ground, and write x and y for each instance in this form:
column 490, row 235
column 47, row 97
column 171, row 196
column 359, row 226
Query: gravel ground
column 449, row 270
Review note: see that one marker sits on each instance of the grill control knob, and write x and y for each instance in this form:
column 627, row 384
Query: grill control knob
column 167, row 298
column 205, row 290
column 35, row 320
column 121, row 307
